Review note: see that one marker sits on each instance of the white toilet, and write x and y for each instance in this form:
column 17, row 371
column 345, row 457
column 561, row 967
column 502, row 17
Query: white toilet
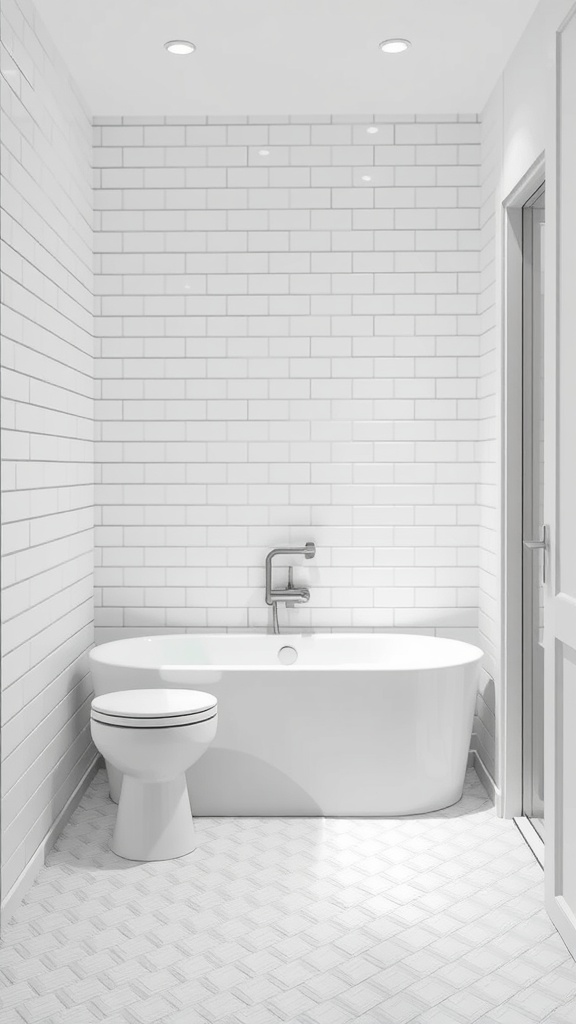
column 152, row 737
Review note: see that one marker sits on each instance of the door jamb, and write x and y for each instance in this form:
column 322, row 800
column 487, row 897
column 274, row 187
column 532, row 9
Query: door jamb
column 510, row 740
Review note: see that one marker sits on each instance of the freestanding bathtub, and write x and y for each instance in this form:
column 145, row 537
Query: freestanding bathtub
column 321, row 724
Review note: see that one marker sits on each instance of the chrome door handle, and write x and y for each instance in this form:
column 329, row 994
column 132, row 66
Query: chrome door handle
column 540, row 545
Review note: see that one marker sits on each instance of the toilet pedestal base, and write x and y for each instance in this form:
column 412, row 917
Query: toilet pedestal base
column 154, row 820
column 114, row 782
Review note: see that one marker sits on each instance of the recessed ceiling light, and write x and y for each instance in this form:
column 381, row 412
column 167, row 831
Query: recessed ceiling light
column 395, row 45
column 366, row 177
column 180, row 46
column 372, row 130
column 263, row 152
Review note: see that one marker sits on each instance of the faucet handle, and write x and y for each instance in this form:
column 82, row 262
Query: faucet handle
column 303, row 597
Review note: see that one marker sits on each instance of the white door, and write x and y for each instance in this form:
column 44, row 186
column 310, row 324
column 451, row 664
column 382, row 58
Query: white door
column 560, row 609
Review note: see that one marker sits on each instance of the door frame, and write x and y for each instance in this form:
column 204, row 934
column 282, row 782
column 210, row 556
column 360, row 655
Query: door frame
column 560, row 607
column 533, row 522
column 509, row 802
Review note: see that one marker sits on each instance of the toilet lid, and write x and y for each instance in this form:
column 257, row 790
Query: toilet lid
column 145, row 709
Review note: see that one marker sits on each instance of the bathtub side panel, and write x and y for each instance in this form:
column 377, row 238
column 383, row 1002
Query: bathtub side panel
column 336, row 743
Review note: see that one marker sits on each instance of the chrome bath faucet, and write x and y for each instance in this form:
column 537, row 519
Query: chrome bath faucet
column 290, row 594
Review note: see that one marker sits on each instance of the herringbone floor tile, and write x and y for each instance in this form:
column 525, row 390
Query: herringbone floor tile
column 436, row 919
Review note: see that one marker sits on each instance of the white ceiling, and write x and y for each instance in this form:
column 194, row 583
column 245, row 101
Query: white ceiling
column 285, row 56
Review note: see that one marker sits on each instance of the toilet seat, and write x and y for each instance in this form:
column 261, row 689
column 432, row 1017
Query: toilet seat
column 154, row 709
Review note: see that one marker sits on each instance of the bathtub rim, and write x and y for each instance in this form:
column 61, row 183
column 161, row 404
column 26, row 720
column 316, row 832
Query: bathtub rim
column 471, row 655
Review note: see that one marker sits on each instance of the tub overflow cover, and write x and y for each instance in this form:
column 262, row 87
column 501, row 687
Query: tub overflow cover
column 287, row 655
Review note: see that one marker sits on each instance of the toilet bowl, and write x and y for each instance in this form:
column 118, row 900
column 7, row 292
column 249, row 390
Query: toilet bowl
column 152, row 737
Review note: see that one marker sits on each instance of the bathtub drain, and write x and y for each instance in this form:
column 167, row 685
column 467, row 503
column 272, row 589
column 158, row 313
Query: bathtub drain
column 287, row 655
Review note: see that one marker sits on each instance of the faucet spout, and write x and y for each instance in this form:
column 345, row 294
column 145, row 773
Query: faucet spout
column 309, row 550
column 289, row 594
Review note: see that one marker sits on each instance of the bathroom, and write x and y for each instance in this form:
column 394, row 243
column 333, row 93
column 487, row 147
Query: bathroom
column 287, row 430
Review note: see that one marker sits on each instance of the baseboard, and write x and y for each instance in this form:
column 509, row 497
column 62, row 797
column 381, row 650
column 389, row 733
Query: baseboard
column 484, row 776
column 13, row 898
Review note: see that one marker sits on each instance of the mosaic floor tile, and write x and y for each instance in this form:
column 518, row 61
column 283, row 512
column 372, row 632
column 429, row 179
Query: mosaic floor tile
column 434, row 919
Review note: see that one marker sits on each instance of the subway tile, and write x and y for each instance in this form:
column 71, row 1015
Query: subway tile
column 416, row 133
column 415, row 219
column 321, row 177
column 461, row 219
column 331, row 134
column 383, row 136
column 240, row 135
column 164, row 135
column 437, row 155
column 47, row 366
column 395, row 155
column 227, row 156
column 114, row 135
column 310, row 156
column 417, row 176
column 289, row 177
column 290, row 220
column 327, row 387
column 289, row 135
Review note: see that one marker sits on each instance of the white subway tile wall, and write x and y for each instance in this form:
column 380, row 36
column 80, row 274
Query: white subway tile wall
column 47, row 447
column 287, row 350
